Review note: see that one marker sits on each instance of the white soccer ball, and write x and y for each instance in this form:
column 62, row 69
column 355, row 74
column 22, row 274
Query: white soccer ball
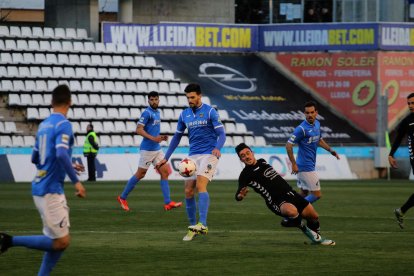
column 187, row 167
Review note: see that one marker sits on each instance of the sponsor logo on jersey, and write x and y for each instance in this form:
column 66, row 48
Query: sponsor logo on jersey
column 65, row 138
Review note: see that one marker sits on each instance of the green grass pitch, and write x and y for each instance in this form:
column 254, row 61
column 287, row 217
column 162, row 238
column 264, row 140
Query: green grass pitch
column 244, row 238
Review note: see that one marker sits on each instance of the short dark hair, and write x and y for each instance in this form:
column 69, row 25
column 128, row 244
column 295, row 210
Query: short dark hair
column 310, row 104
column 90, row 125
column 193, row 87
column 241, row 147
column 410, row 96
column 61, row 95
column 153, row 94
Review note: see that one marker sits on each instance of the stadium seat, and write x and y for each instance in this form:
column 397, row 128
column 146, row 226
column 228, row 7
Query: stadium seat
column 129, row 100
column 83, row 99
column 237, row 140
column 24, row 72
column 47, row 98
column 71, row 33
column 58, row 72
column 105, row 140
column 174, row 87
column 32, row 114
column 37, row 100
column 48, row 32
column 100, row 47
column 131, row 126
column 91, row 73
column 165, row 127
column 135, row 73
column 101, row 113
column 110, row 48
column 3, row 71
column 90, row 113
column 163, row 87
column 86, row 60
column 260, row 141
column 70, row 112
column 98, row 127
column 60, row 33
column 113, row 113
column 113, row 73
column 67, row 46
column 37, row 32
column 107, row 60
column 223, row 114
column 103, row 73
column 157, row 74
column 14, row 100
column 15, row 31
column 21, row 45
column 109, row 86
column 117, row 100
column 75, row 86
column 152, row 86
column 29, row 85
column 120, row 87
column 150, row 62
column 168, row 114
column 88, row 47
column 2, row 45
column 7, row 85
column 128, row 140
column 55, row 46
column 70, row 72
column 6, row 141
column 146, row 74
column 17, row 141
column 120, row 127
column 51, row 59
column 172, row 101
column 106, row 100
column 130, row 87
column 80, row 72
column 78, row 113
column 121, row 48
column 140, row 61
column 184, row 141
column 44, row 113
column 17, row 58
column 82, row 33
column 142, row 87
column 229, row 142
column 140, row 100
column 124, row 74
column 10, row 44
column 137, row 140
column 33, row 45
column 44, row 46
column 26, row 100
column 47, row 72
column 80, row 139
column 108, row 126
column 41, row 86
column 40, row 59
column 35, row 72
column 74, row 59
column 132, row 48
column 182, row 101
column 241, row 128
column 168, row 75
column 4, row 31
column 18, row 86
column 230, row 128
column 12, row 71
column 98, row 86
column 249, row 140
column 28, row 58
column 87, row 86
column 135, row 113
column 124, row 113
column 116, row 141
column 129, row 61
column 10, row 127
column 29, row 141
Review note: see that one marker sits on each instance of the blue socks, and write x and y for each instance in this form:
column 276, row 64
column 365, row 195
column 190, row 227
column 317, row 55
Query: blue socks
column 34, row 242
column 311, row 198
column 50, row 259
column 165, row 188
column 191, row 208
column 203, row 202
column 129, row 186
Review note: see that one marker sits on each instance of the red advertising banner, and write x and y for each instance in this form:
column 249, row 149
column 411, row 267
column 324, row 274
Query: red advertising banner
column 396, row 73
column 346, row 81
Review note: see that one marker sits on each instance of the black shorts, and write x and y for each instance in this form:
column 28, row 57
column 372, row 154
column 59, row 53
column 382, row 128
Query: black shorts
column 291, row 197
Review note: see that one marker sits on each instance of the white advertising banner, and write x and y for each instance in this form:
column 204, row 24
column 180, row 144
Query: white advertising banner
column 122, row 166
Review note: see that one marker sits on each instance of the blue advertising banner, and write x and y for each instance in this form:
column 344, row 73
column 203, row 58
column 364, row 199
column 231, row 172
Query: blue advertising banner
column 318, row 37
column 183, row 36
column 395, row 36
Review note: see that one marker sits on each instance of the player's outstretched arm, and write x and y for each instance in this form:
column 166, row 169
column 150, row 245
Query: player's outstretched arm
column 289, row 150
column 325, row 145
column 80, row 190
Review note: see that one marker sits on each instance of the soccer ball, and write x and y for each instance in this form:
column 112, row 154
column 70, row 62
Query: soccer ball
column 187, row 167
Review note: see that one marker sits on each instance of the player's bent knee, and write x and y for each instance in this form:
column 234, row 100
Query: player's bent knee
column 61, row 243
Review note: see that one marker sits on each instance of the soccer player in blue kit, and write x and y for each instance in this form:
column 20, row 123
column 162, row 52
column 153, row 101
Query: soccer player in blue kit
column 150, row 153
column 206, row 136
column 308, row 137
column 52, row 157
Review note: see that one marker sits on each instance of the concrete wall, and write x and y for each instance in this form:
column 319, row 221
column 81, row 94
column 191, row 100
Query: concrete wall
column 73, row 14
column 213, row 11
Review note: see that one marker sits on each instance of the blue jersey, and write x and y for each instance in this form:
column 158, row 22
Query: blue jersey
column 54, row 132
column 151, row 121
column 201, row 124
column 307, row 137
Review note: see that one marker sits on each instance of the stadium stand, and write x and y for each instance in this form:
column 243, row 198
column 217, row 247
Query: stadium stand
column 109, row 84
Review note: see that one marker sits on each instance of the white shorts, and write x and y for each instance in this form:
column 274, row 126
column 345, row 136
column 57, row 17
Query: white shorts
column 148, row 157
column 308, row 181
column 54, row 212
column 206, row 165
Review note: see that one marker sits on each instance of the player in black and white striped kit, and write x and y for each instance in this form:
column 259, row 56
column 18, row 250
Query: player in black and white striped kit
column 406, row 127
column 279, row 196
